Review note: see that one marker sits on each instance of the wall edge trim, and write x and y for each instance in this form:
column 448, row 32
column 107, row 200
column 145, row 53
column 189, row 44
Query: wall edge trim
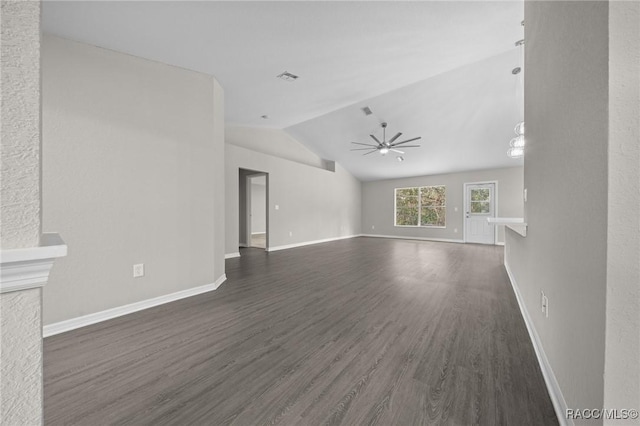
column 308, row 243
column 441, row 240
column 96, row 317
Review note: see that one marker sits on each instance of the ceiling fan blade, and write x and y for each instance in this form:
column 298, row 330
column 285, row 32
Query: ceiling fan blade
column 376, row 139
column 363, row 149
column 375, row 150
column 395, row 137
column 395, row 150
column 409, row 146
column 408, row 140
column 365, row 144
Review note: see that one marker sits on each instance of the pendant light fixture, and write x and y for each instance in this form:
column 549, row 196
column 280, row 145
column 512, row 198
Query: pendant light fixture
column 516, row 145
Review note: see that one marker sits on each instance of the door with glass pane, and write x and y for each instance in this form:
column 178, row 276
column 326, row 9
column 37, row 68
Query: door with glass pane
column 479, row 205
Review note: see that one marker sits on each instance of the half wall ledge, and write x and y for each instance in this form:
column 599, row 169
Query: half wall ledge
column 517, row 224
column 25, row 268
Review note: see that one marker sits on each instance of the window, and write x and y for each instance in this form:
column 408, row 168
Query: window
column 421, row 206
column 480, row 201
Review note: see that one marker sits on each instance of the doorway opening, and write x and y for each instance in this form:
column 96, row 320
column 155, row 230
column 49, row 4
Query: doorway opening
column 480, row 203
column 254, row 214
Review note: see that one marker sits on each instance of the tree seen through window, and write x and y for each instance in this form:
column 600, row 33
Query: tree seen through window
column 421, row 206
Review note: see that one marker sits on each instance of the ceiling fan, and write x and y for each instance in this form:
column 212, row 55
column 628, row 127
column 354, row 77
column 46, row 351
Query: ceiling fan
column 384, row 146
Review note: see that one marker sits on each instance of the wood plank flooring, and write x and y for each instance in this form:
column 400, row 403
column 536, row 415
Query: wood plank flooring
column 355, row 332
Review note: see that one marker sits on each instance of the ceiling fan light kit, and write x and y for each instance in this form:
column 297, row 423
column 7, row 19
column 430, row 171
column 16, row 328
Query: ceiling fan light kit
column 384, row 146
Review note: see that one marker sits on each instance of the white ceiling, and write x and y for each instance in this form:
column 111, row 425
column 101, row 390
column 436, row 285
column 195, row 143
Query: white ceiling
column 440, row 70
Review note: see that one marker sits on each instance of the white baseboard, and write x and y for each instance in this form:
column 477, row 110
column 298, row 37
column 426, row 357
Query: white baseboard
column 258, row 233
column 232, row 255
column 557, row 399
column 500, row 243
column 72, row 324
column 398, row 237
column 308, row 243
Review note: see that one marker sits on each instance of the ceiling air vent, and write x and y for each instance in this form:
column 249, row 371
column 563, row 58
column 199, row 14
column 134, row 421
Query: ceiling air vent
column 287, row 76
column 367, row 111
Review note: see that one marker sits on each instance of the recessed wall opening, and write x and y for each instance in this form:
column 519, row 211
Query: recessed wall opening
column 253, row 210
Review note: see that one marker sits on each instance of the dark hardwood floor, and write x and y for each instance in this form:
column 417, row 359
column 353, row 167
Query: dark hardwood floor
column 359, row 331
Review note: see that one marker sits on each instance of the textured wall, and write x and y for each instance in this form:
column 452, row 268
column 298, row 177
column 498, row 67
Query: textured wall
column 565, row 173
column 133, row 172
column 20, row 91
column 314, row 203
column 20, row 312
column 622, row 369
column 21, row 358
column 378, row 202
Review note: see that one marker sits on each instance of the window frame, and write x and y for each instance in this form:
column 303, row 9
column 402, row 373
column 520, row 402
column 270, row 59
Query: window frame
column 419, row 225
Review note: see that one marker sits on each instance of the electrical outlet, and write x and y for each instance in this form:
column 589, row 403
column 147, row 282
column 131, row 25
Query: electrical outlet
column 525, row 195
column 138, row 270
column 542, row 297
column 373, row 227
column 455, row 230
column 277, row 207
column 290, row 234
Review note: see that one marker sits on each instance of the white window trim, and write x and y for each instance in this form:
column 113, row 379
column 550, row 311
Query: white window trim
column 395, row 208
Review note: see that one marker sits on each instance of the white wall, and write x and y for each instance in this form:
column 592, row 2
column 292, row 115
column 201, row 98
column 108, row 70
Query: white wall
column 133, row 173
column 258, row 205
column 622, row 353
column 565, row 173
column 314, row 203
column 272, row 142
column 378, row 202
column 213, row 180
column 20, row 311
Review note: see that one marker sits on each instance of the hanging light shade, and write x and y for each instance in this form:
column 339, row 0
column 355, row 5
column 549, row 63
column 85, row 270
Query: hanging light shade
column 519, row 129
column 515, row 152
column 517, row 142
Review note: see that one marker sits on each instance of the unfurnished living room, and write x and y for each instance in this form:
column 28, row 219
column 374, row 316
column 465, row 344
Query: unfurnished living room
column 317, row 212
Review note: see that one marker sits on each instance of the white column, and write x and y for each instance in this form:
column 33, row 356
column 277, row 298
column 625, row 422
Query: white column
column 25, row 262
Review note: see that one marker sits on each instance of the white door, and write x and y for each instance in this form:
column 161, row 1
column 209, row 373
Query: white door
column 479, row 205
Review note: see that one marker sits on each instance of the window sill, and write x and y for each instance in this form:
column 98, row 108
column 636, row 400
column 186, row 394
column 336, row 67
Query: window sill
column 420, row 226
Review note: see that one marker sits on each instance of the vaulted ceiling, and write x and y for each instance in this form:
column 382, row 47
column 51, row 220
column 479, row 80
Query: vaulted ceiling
column 440, row 70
